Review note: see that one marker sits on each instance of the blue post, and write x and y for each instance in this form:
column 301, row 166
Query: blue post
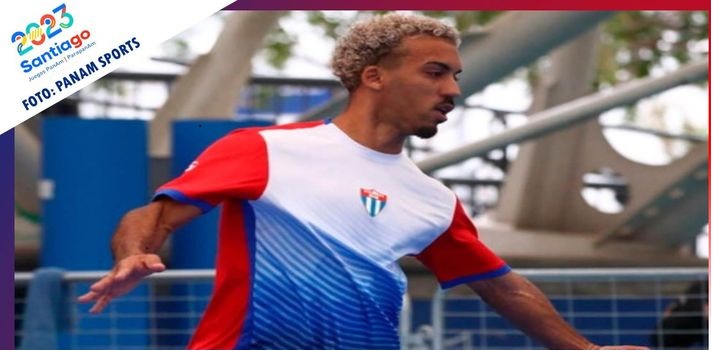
column 93, row 171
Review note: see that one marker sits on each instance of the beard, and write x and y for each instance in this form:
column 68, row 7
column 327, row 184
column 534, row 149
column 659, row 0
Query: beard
column 426, row 132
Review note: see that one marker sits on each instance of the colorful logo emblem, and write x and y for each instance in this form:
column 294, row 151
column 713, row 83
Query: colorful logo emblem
column 44, row 35
column 373, row 201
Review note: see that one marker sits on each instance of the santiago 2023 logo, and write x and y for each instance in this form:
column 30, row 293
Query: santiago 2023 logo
column 51, row 25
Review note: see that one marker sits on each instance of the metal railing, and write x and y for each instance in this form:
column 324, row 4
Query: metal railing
column 161, row 313
column 609, row 306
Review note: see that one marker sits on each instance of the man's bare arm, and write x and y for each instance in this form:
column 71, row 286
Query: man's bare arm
column 524, row 305
column 140, row 234
column 144, row 230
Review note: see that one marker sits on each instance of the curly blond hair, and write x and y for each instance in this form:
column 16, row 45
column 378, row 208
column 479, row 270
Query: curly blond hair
column 368, row 41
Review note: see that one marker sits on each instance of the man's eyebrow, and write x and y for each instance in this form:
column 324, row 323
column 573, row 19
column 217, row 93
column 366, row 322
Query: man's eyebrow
column 443, row 66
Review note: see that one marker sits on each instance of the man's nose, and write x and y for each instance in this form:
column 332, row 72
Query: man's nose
column 451, row 88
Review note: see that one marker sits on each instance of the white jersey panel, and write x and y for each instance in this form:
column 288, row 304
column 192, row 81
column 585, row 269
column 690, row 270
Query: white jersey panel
column 319, row 175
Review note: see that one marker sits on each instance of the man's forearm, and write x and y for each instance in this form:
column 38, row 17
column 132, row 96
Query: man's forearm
column 140, row 231
column 524, row 305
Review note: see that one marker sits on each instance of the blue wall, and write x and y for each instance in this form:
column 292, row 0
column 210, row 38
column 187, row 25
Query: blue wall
column 93, row 172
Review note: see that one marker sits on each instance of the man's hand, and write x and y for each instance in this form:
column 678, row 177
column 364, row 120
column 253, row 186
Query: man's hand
column 126, row 275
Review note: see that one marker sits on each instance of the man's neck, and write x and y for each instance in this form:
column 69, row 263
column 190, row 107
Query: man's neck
column 365, row 128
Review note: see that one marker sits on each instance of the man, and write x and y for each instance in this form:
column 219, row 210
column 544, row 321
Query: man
column 316, row 215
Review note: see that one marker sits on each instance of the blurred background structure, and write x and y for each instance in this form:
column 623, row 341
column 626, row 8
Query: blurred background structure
column 579, row 147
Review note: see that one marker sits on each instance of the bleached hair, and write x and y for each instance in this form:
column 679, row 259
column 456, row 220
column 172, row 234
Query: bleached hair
column 368, row 41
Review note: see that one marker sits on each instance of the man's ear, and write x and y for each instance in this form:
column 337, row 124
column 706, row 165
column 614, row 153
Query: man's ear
column 372, row 77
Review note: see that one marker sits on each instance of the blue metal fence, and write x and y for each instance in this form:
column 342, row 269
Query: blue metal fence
column 609, row 306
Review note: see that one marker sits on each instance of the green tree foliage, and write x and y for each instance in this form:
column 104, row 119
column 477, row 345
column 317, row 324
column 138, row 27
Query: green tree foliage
column 634, row 43
column 279, row 47
column 280, row 42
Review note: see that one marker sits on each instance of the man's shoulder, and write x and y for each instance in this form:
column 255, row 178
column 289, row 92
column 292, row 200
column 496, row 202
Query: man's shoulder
column 257, row 131
column 289, row 126
column 427, row 180
column 296, row 125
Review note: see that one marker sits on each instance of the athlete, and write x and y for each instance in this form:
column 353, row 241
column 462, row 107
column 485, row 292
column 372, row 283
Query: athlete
column 315, row 216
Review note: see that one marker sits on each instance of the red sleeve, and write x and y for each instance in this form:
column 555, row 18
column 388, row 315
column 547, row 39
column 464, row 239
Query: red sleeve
column 234, row 167
column 457, row 256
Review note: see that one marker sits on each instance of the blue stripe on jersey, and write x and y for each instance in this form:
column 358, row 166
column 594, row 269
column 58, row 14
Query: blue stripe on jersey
column 249, row 220
column 180, row 197
column 311, row 292
column 491, row 274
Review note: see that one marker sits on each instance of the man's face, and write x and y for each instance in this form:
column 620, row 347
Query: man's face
column 420, row 85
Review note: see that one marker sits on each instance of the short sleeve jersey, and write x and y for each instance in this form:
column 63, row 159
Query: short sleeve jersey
column 312, row 227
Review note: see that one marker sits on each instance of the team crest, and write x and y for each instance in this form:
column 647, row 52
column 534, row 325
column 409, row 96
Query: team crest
column 373, row 201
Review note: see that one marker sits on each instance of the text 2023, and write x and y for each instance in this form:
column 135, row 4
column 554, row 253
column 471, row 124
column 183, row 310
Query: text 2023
column 37, row 36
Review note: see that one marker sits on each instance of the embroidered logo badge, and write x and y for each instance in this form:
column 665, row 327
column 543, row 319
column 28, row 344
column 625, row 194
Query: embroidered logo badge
column 373, row 201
